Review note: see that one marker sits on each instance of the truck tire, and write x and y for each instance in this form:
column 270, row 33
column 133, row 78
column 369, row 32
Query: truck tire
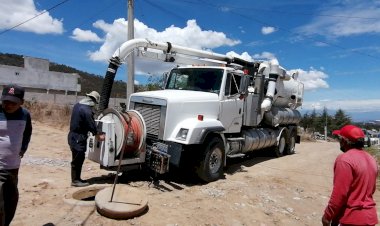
column 369, row 142
column 211, row 163
column 280, row 148
column 291, row 145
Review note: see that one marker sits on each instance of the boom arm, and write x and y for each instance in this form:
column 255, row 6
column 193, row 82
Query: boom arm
column 127, row 47
column 171, row 52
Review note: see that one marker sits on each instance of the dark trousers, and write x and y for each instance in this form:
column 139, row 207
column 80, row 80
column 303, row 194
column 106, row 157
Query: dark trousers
column 76, row 164
column 8, row 195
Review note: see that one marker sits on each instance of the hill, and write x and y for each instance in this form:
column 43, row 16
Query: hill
column 88, row 81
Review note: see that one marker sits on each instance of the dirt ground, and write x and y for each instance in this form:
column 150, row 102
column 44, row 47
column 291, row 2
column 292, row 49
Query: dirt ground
column 260, row 190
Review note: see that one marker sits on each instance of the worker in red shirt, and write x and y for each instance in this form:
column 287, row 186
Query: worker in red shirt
column 355, row 171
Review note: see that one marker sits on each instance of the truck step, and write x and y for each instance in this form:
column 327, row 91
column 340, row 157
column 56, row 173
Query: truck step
column 239, row 155
column 235, row 138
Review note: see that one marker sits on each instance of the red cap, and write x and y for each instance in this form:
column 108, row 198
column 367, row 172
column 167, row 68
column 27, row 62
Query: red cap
column 350, row 132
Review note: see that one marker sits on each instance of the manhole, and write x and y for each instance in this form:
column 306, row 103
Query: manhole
column 84, row 196
column 128, row 202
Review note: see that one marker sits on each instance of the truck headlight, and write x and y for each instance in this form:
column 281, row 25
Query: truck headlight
column 182, row 134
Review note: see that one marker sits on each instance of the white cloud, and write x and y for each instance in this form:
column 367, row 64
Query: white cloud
column 225, row 9
column 267, row 30
column 365, row 105
column 265, row 56
column 346, row 19
column 85, row 36
column 244, row 56
column 255, row 43
column 191, row 36
column 312, row 79
column 14, row 12
column 241, row 29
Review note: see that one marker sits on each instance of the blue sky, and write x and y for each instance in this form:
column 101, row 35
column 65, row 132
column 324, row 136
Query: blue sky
column 333, row 44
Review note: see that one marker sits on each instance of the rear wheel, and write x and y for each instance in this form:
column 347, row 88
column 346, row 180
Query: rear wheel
column 369, row 142
column 280, row 148
column 211, row 165
column 291, row 145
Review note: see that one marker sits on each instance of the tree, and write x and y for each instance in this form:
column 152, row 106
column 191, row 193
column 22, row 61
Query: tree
column 305, row 121
column 309, row 121
column 315, row 122
column 154, row 83
column 341, row 119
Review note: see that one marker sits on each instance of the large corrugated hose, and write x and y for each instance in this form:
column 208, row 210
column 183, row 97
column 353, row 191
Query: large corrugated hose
column 130, row 131
column 134, row 132
column 108, row 82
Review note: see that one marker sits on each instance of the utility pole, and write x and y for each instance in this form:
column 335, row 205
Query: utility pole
column 131, row 57
column 325, row 123
column 326, row 127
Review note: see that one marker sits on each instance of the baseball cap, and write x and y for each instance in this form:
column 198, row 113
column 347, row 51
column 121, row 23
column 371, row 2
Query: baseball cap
column 94, row 95
column 13, row 93
column 350, row 132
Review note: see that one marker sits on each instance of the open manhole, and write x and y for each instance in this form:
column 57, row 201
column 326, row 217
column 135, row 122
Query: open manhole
column 84, row 196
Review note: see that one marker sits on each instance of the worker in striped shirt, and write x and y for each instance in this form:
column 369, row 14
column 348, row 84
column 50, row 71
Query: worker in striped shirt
column 15, row 133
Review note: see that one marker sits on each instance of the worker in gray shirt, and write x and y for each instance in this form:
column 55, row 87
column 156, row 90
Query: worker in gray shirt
column 15, row 133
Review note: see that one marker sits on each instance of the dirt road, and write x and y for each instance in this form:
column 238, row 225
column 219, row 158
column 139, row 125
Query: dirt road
column 262, row 190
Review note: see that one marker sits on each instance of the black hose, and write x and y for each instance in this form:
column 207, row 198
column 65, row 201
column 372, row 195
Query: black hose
column 108, row 82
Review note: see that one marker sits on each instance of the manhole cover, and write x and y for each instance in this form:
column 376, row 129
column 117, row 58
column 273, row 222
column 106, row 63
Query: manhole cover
column 127, row 202
column 84, row 196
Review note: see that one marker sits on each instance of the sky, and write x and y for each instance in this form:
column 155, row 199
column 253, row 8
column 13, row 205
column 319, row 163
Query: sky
column 333, row 44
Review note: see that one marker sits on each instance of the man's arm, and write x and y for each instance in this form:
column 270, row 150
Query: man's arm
column 89, row 121
column 27, row 134
column 342, row 181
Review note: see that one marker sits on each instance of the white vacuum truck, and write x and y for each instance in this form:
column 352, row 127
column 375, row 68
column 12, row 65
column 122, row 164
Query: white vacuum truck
column 215, row 108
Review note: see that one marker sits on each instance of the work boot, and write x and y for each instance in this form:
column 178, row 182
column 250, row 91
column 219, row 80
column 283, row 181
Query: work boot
column 75, row 178
column 78, row 183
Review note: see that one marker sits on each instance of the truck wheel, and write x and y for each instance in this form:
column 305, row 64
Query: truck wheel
column 211, row 165
column 280, row 148
column 291, row 145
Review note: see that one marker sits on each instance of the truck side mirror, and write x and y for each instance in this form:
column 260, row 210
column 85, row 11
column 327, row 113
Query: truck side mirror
column 244, row 83
column 165, row 77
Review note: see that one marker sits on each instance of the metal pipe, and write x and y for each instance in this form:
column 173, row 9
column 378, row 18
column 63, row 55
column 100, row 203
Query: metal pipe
column 129, row 45
column 274, row 72
column 131, row 57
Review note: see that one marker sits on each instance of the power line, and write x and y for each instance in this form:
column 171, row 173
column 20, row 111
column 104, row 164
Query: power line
column 245, row 9
column 48, row 10
column 165, row 10
column 308, row 37
column 285, row 29
column 97, row 13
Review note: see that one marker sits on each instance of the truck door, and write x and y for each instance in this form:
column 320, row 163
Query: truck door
column 231, row 106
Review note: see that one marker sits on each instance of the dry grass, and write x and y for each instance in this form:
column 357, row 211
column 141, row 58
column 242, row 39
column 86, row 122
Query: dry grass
column 307, row 137
column 374, row 151
column 51, row 114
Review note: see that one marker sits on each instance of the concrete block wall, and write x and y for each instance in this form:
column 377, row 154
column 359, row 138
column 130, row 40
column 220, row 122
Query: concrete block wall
column 62, row 99
column 35, row 74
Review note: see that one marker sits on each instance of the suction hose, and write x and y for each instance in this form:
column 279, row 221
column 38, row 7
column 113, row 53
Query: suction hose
column 108, row 82
column 273, row 75
column 134, row 131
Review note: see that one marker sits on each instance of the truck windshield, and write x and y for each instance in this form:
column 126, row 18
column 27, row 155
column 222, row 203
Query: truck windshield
column 197, row 79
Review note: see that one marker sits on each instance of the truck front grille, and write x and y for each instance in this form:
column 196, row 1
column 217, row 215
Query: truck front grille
column 151, row 115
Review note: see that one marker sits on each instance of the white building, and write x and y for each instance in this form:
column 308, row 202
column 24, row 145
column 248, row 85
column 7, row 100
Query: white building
column 35, row 75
